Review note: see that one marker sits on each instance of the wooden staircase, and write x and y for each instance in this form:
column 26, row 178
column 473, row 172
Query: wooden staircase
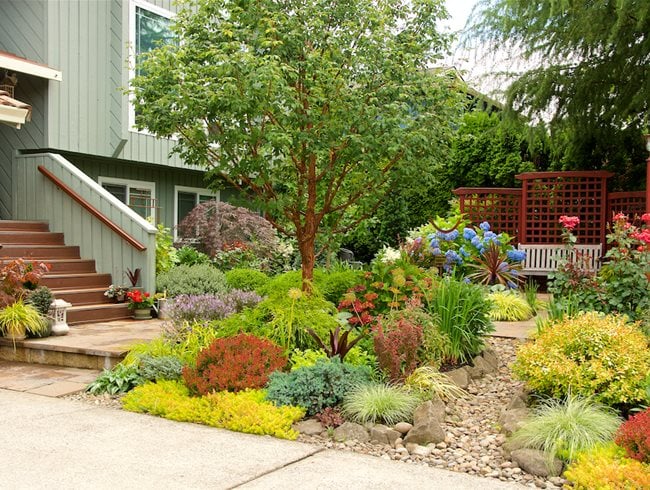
column 70, row 278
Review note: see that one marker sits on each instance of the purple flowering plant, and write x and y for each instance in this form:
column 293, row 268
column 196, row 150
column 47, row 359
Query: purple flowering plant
column 208, row 307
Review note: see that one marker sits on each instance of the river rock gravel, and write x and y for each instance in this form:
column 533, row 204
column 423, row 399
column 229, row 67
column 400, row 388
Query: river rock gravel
column 473, row 441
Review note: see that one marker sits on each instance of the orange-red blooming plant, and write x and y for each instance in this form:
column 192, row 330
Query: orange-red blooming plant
column 138, row 300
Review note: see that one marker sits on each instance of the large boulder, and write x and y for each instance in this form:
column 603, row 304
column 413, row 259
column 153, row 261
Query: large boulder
column 384, row 435
column 425, row 433
column 309, row 427
column 429, row 411
column 511, row 420
column 536, row 462
column 490, row 356
column 460, row 377
column 349, row 431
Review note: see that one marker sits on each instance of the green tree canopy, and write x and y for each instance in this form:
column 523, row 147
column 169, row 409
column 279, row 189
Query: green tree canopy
column 588, row 70
column 309, row 107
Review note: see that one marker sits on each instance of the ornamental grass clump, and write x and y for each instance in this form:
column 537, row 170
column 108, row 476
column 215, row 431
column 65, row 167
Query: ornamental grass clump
column 384, row 403
column 234, row 364
column 589, row 354
column 563, row 428
column 428, row 383
column 509, row 306
column 462, row 315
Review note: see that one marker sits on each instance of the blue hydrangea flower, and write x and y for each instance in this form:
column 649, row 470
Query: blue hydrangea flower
column 516, row 255
column 512, row 285
column 436, row 251
column 485, row 226
column 452, row 235
column 434, row 243
column 489, row 235
column 463, row 252
column 467, row 280
column 468, row 233
column 453, row 257
column 476, row 241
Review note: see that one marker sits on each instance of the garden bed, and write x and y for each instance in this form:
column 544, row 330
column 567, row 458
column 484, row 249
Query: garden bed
column 473, row 443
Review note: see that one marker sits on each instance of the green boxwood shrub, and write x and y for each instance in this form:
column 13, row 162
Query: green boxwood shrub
column 246, row 279
column 192, row 279
column 316, row 387
column 333, row 285
column 589, row 354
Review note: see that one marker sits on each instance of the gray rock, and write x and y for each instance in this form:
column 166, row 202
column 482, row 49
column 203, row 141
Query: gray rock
column 418, row 450
column 459, row 376
column 490, row 357
column 481, row 368
column 536, row 463
column 511, row 420
column 403, row 427
column 510, row 446
column 349, row 431
column 379, row 434
column 430, row 411
column 393, row 436
column 519, row 400
column 425, row 433
column 309, row 427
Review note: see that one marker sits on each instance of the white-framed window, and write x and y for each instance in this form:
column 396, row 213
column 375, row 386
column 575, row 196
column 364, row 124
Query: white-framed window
column 137, row 194
column 148, row 27
column 186, row 198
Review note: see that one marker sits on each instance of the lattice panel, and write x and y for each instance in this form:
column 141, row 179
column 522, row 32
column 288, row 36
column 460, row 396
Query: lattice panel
column 630, row 203
column 548, row 195
column 499, row 207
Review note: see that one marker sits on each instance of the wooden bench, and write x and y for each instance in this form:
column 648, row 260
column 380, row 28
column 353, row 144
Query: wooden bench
column 542, row 259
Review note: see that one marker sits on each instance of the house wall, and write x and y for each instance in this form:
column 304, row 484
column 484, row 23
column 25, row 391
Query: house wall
column 164, row 178
column 23, row 32
column 88, row 40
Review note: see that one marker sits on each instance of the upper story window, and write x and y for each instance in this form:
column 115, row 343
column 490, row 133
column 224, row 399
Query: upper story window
column 148, row 29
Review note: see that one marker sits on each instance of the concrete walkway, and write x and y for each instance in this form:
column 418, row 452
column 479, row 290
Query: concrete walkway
column 55, row 444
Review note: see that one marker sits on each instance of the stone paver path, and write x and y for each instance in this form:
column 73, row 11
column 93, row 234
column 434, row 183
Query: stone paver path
column 41, row 379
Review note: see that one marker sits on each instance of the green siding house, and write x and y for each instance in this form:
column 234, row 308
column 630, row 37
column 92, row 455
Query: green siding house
column 70, row 61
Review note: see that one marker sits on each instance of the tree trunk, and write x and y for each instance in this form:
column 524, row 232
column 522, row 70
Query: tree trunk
column 306, row 245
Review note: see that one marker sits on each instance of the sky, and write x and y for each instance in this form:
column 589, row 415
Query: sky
column 459, row 11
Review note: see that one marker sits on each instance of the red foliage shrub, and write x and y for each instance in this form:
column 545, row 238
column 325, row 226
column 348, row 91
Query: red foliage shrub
column 221, row 227
column 330, row 417
column 18, row 276
column 234, row 364
column 634, row 436
column 396, row 344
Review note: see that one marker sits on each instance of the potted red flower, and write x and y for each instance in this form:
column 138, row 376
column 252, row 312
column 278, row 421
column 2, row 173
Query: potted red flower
column 140, row 303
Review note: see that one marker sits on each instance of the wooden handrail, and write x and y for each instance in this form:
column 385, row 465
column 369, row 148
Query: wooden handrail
column 91, row 209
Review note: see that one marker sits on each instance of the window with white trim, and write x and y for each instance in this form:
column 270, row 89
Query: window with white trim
column 186, row 198
column 148, row 28
column 138, row 195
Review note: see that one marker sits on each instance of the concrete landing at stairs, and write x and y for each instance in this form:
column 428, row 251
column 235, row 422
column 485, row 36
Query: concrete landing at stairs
column 90, row 346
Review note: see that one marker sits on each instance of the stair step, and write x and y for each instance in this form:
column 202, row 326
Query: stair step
column 7, row 224
column 70, row 266
column 78, row 315
column 31, row 238
column 86, row 296
column 39, row 252
column 76, row 281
